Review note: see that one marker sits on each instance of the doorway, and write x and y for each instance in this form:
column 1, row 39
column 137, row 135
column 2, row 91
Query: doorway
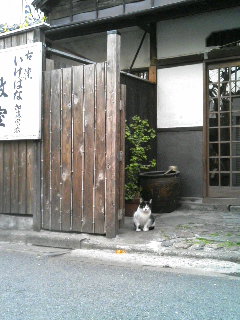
column 223, row 130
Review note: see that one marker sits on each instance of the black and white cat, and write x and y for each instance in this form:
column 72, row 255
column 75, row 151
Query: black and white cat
column 143, row 218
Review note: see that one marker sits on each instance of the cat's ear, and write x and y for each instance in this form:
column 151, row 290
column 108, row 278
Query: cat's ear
column 150, row 201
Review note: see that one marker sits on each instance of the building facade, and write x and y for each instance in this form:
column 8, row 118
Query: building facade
column 193, row 46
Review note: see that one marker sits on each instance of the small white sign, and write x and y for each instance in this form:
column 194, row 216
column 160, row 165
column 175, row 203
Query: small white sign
column 20, row 92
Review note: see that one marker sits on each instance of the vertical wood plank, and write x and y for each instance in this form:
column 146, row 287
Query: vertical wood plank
column 55, row 149
column 33, row 177
column 46, row 151
column 78, row 146
column 66, row 152
column 100, row 140
column 14, row 177
column 87, row 225
column 7, row 177
column 22, row 177
column 2, row 44
column 122, row 150
column 112, row 133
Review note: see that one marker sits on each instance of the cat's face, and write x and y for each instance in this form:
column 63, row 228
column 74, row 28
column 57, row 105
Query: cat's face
column 145, row 206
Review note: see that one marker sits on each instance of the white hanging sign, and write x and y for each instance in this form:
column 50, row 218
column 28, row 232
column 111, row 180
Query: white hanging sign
column 20, row 92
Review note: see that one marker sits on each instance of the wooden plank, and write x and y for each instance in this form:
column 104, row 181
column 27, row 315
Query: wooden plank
column 30, row 37
column 112, row 133
column 66, row 152
column 46, row 206
column 87, row 225
column 2, row 44
column 78, row 146
column 14, row 177
column 49, row 64
column 122, row 160
column 7, row 177
column 1, row 177
column 32, row 173
column 56, row 77
column 100, row 145
column 22, row 177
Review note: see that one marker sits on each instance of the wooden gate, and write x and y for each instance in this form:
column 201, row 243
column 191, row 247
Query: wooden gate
column 83, row 134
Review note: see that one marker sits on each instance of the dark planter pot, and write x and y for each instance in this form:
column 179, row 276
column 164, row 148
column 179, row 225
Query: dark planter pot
column 163, row 188
column 131, row 206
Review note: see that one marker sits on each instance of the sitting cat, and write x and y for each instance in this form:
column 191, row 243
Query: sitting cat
column 143, row 218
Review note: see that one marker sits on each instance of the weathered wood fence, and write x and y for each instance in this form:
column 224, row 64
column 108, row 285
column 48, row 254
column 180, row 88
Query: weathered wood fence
column 73, row 179
column 77, row 156
column 20, row 160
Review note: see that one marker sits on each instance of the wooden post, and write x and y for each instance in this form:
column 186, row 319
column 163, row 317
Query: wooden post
column 112, row 133
column 35, row 148
column 153, row 54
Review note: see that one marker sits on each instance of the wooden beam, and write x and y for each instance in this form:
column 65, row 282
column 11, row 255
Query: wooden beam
column 112, row 133
column 153, row 53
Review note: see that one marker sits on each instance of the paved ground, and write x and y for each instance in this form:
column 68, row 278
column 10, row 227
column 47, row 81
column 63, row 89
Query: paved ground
column 185, row 233
column 40, row 283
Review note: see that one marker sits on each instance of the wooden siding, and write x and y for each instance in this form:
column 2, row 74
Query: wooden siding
column 19, row 160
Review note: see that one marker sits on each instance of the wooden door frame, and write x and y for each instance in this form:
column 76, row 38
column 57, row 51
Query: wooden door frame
column 234, row 199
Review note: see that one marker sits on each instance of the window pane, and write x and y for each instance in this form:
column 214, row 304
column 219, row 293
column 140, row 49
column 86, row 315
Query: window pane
column 213, row 75
column 225, row 179
column 236, row 134
column 224, row 104
column 213, row 90
column 213, row 134
column 224, row 119
column 213, row 164
column 224, row 164
column 224, row 74
column 236, row 104
column 213, row 120
column 236, row 118
column 224, row 89
column 235, row 88
column 225, row 149
column 235, row 164
column 225, row 134
column 213, row 105
column 213, row 149
column 236, row 179
column 213, row 179
column 235, row 73
column 236, row 148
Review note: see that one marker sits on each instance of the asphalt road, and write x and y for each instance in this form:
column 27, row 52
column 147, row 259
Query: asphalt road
column 46, row 284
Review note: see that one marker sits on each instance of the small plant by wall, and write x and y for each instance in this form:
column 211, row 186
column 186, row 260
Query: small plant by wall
column 138, row 134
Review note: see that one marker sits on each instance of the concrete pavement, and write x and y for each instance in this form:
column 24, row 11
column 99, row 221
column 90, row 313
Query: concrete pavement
column 185, row 233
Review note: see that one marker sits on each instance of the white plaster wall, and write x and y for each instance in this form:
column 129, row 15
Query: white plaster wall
column 187, row 35
column 94, row 47
column 180, row 96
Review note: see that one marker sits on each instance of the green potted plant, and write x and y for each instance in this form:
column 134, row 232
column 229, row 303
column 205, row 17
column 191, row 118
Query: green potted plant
column 139, row 136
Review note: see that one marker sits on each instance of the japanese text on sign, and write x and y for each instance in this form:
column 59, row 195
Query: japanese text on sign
column 20, row 92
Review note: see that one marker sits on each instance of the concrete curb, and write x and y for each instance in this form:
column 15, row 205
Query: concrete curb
column 85, row 241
